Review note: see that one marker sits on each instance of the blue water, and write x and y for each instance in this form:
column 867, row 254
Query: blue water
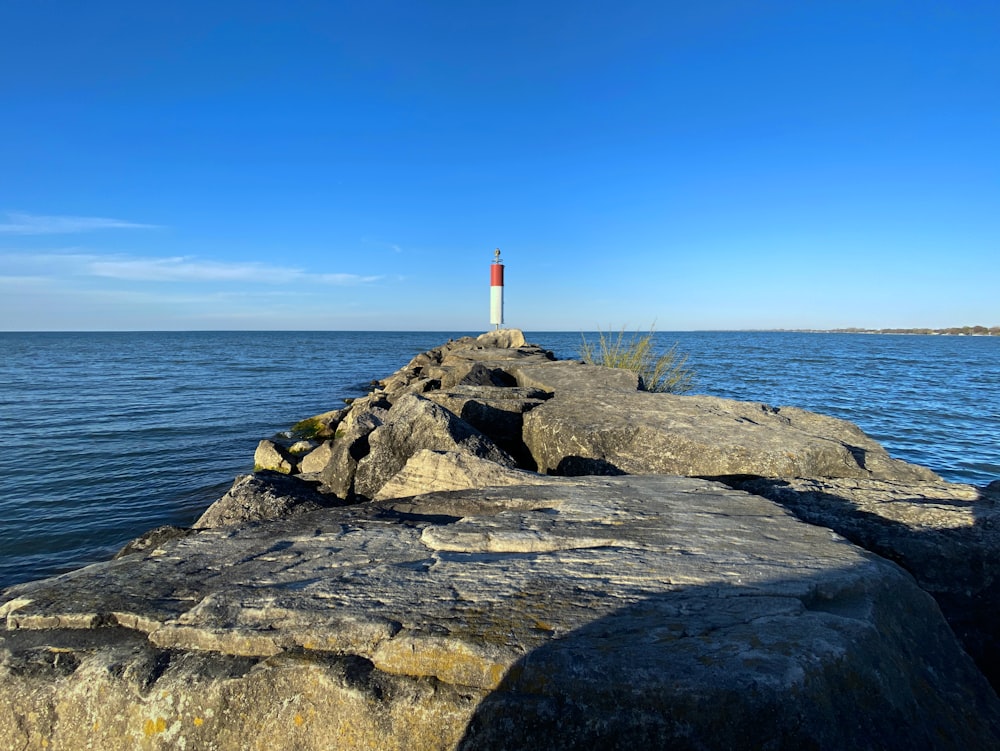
column 106, row 435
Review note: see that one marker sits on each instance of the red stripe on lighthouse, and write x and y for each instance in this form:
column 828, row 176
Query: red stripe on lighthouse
column 496, row 275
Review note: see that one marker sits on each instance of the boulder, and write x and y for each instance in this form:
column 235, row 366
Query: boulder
column 617, row 613
column 299, row 448
column 946, row 535
column 480, row 360
column 270, row 456
column 568, row 377
column 497, row 411
column 348, row 448
column 262, row 496
column 350, row 445
column 317, row 459
column 483, row 375
column 610, row 428
column 429, row 471
column 151, row 540
column 416, row 423
column 506, row 338
column 319, row 427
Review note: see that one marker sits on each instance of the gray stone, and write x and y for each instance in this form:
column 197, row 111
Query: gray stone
column 270, row 456
column 320, row 427
column 416, row 423
column 572, row 376
column 481, row 360
column 152, row 540
column 430, row 471
column 634, row 612
column 301, row 447
column 506, row 338
column 349, row 447
column 261, row 496
column 317, row 459
column 610, row 431
column 946, row 535
column 496, row 411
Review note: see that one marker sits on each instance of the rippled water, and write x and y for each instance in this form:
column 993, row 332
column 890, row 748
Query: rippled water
column 106, row 435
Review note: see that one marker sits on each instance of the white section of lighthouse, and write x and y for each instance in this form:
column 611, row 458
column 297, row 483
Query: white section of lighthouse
column 496, row 290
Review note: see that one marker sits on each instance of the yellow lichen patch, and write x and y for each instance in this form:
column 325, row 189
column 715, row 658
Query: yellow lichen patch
column 152, row 727
column 448, row 660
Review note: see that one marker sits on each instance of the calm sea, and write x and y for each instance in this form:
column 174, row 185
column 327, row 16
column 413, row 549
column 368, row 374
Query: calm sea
column 106, row 435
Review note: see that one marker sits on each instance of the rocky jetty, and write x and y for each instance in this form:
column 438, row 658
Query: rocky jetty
column 497, row 550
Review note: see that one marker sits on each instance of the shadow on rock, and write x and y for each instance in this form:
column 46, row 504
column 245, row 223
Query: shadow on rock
column 744, row 668
column 945, row 535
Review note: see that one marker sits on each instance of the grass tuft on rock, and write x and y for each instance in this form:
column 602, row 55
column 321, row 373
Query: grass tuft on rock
column 663, row 373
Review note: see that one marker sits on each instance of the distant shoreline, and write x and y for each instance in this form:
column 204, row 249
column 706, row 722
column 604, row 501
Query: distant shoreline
column 955, row 331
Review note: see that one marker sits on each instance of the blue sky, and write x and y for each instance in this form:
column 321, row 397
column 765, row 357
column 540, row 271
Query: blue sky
column 334, row 165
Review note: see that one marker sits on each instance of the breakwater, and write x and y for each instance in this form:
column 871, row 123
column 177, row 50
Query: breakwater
column 649, row 601
column 107, row 434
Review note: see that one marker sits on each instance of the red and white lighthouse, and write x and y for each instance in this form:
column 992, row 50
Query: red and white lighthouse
column 496, row 290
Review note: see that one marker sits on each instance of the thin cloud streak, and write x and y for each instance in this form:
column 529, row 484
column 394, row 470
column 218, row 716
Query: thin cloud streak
column 178, row 269
column 32, row 224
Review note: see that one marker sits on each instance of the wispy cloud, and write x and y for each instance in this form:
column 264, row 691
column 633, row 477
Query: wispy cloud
column 177, row 269
column 188, row 269
column 18, row 223
column 394, row 247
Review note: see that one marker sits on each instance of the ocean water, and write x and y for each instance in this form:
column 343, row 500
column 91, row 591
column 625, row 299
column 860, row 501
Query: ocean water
column 106, row 435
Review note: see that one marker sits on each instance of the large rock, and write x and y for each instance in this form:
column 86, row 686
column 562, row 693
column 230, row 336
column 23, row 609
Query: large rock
column 432, row 471
column 638, row 612
column 610, row 428
column 272, row 457
column 946, row 535
column 319, row 427
column 262, row 496
column 416, row 423
column 497, row 411
column 350, row 444
column 506, row 338
column 568, row 377
column 317, row 459
column 459, row 359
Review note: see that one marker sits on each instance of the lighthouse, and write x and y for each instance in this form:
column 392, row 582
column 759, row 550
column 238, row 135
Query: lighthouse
column 496, row 290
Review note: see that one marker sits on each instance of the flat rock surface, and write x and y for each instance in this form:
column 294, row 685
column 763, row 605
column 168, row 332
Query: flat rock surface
column 946, row 534
column 626, row 612
column 597, row 423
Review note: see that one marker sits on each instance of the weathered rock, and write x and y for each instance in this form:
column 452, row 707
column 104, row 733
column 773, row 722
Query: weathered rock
column 572, row 376
column 350, row 446
column 317, row 459
column 506, row 338
column 270, row 456
column 152, row 540
column 416, row 423
column 638, row 612
column 497, row 411
column 431, row 471
column 613, row 429
column 301, row 447
column 320, row 427
column 481, row 361
column 483, row 375
column 261, row 496
column 946, row 535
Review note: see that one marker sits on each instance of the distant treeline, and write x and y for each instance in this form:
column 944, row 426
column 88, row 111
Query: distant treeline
column 956, row 331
